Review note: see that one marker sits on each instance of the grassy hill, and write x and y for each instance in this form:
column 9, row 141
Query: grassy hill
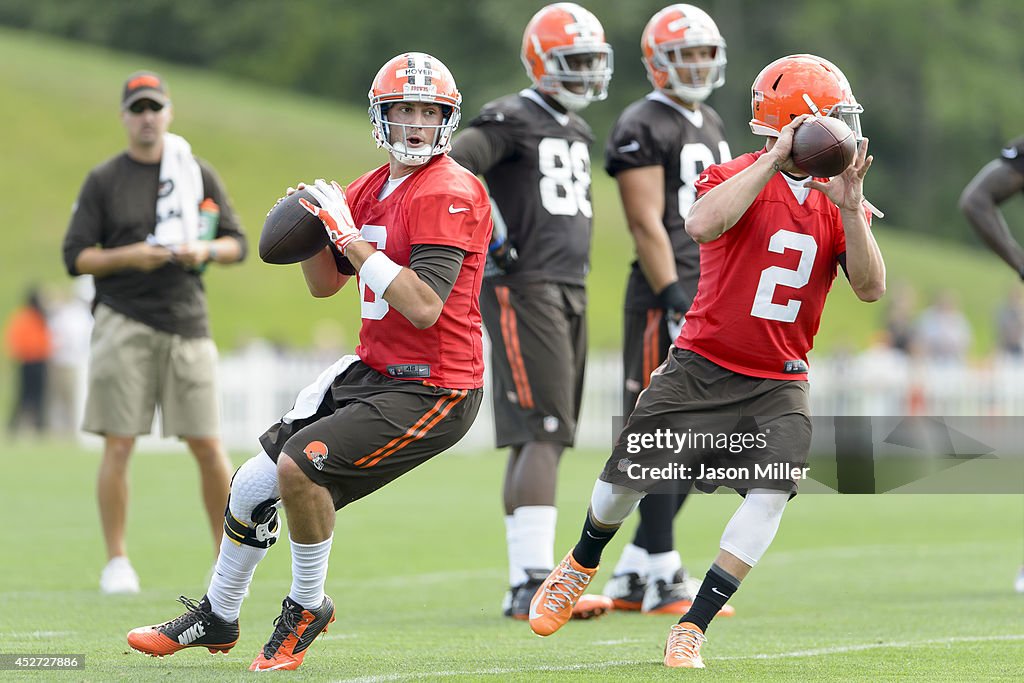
column 60, row 119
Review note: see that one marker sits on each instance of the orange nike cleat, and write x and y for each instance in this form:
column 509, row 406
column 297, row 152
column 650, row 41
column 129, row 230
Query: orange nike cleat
column 552, row 606
column 683, row 647
column 197, row 627
column 591, row 606
column 294, row 631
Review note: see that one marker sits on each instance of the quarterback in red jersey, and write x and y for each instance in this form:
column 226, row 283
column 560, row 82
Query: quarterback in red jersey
column 442, row 205
column 766, row 277
column 415, row 233
column 729, row 407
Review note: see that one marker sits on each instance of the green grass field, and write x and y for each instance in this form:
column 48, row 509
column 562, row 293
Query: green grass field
column 854, row 587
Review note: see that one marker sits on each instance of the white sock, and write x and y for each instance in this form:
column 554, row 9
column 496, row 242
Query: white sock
column 535, row 536
column 632, row 561
column 663, row 566
column 309, row 572
column 231, row 576
column 516, row 574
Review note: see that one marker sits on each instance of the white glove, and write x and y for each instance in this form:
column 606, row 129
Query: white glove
column 333, row 212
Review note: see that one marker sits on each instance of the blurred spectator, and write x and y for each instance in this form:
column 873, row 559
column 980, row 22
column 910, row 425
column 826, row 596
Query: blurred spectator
column 1010, row 325
column 70, row 329
column 147, row 224
column 899, row 318
column 879, row 377
column 943, row 333
column 28, row 344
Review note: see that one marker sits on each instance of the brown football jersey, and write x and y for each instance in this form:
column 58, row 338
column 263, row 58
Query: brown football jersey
column 541, row 185
column 655, row 131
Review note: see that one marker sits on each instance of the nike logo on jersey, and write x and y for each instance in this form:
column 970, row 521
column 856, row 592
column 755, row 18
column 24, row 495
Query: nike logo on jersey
column 633, row 146
column 718, row 592
column 191, row 634
column 452, row 209
column 1010, row 153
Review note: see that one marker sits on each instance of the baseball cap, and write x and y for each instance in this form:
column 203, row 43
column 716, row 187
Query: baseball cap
column 144, row 85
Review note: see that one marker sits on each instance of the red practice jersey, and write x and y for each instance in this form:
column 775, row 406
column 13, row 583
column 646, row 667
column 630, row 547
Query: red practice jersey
column 763, row 283
column 443, row 204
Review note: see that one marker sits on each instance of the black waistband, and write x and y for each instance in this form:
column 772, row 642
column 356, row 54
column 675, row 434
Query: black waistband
column 409, row 370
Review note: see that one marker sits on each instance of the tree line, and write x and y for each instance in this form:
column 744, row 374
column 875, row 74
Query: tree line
column 940, row 80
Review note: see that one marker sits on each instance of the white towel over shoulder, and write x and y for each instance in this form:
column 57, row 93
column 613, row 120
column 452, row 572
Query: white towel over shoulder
column 181, row 190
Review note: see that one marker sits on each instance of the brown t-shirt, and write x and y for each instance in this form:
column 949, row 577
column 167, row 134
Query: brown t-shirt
column 116, row 207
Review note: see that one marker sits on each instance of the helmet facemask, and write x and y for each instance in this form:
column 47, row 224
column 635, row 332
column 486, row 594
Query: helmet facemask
column 577, row 75
column 847, row 112
column 668, row 57
column 438, row 135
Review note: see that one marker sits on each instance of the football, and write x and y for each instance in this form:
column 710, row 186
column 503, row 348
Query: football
column 823, row 147
column 290, row 233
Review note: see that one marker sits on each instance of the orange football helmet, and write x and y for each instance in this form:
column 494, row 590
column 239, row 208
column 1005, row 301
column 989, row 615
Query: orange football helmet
column 667, row 34
column 566, row 56
column 801, row 84
column 414, row 77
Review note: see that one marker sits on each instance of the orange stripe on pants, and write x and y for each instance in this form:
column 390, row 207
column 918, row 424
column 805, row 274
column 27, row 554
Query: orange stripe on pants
column 652, row 334
column 510, row 333
column 417, row 431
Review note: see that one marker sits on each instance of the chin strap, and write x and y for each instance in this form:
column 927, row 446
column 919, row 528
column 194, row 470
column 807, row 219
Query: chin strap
column 875, row 211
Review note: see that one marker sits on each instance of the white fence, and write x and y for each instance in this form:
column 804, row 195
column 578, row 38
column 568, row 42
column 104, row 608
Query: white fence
column 886, row 383
column 259, row 384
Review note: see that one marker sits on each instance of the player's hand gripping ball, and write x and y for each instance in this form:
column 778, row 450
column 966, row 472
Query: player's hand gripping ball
column 823, row 147
column 331, row 208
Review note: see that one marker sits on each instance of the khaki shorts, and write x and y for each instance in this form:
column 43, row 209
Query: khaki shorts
column 134, row 368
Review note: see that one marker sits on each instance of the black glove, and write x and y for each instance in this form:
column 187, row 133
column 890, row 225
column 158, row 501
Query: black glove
column 676, row 302
column 501, row 257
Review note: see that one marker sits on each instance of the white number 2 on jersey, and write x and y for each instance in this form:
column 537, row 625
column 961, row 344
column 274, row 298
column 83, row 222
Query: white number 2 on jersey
column 566, row 177
column 773, row 276
column 377, row 235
